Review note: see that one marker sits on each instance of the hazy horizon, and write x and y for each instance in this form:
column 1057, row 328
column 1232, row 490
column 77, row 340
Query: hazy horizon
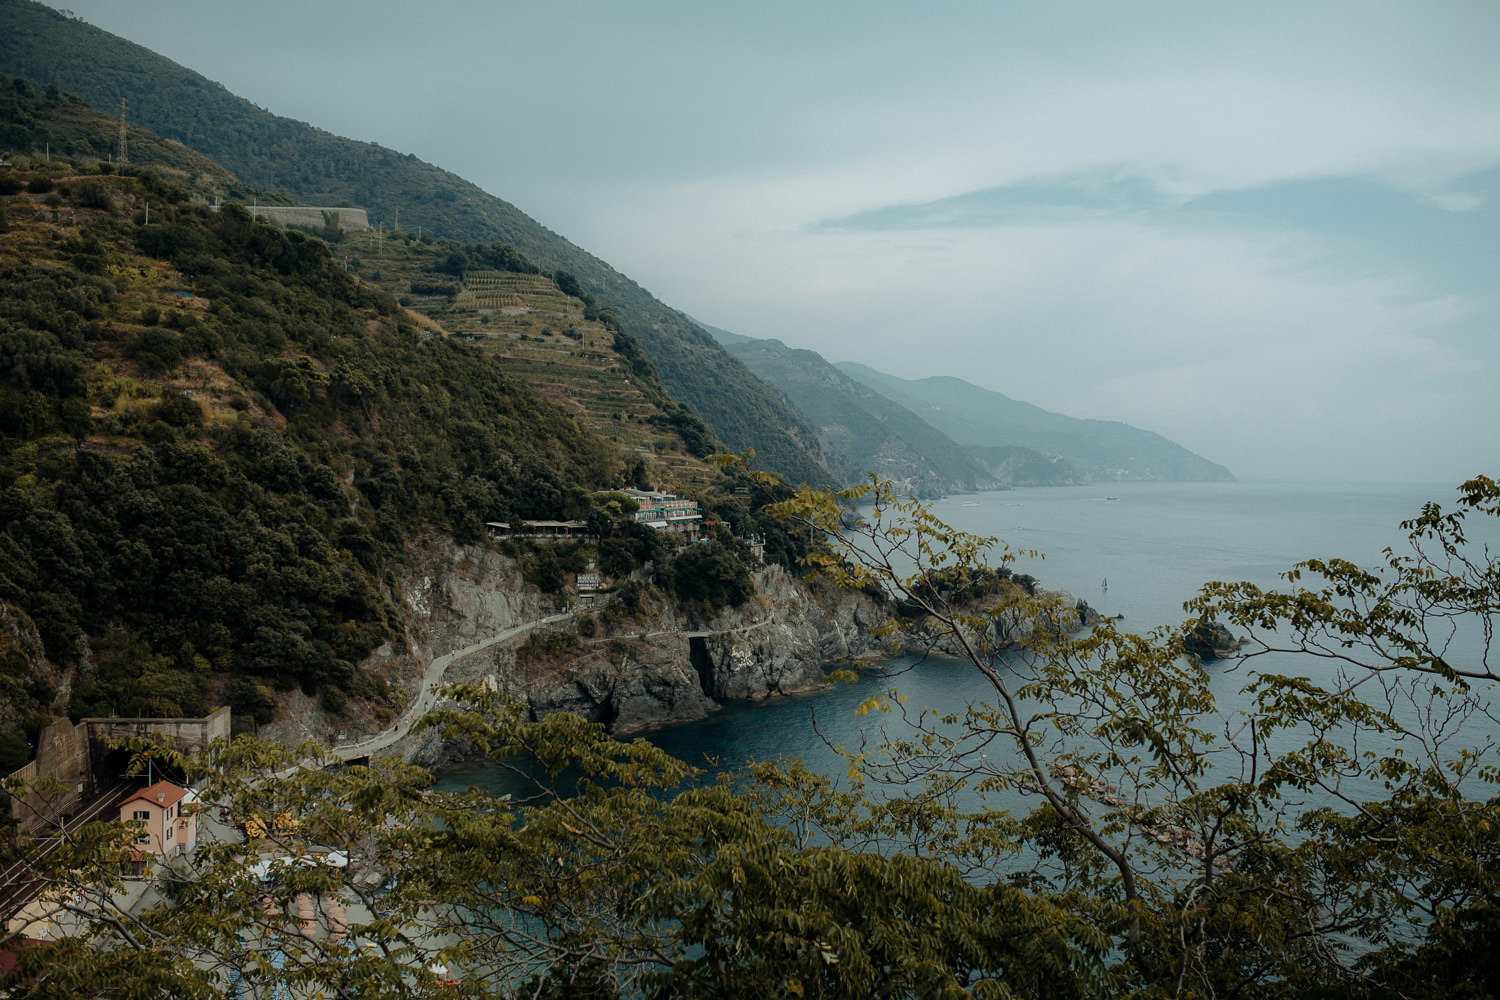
column 1269, row 235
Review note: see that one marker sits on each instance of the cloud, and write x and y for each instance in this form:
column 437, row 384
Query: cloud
column 1268, row 232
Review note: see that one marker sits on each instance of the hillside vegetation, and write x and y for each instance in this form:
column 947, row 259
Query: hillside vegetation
column 315, row 167
column 213, row 443
column 546, row 331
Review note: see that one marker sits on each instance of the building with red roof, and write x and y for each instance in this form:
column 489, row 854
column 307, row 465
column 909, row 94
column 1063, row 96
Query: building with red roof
column 169, row 824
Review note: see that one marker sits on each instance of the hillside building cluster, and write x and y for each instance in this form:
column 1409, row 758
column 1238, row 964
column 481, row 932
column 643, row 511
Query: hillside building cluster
column 662, row 511
column 666, row 511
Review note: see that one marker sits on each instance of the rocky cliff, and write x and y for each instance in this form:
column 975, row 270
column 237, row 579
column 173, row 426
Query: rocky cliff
column 30, row 684
column 659, row 670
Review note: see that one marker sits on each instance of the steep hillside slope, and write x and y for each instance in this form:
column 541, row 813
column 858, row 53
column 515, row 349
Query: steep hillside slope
column 549, row 333
column 63, row 125
column 980, row 418
column 875, row 434
column 214, row 443
column 316, row 167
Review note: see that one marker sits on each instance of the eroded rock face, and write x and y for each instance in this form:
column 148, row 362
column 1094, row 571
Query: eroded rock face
column 677, row 671
column 783, row 651
column 36, row 684
column 647, row 684
column 457, row 595
column 671, row 670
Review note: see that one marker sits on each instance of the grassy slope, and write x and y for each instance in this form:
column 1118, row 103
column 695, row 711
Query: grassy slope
column 316, row 167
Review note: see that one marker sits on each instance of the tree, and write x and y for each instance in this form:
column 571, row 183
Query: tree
column 1321, row 841
column 1103, row 829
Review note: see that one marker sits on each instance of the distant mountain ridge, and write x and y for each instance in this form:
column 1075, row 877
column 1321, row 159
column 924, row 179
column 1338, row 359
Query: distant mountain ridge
column 867, row 429
column 989, row 423
column 307, row 164
column 316, row 167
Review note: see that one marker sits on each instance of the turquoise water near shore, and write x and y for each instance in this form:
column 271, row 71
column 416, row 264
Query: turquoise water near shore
column 1155, row 544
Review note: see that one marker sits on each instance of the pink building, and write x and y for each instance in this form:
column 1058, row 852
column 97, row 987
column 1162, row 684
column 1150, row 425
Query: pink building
column 168, row 828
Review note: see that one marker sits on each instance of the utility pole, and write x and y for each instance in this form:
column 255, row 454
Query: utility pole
column 123, row 159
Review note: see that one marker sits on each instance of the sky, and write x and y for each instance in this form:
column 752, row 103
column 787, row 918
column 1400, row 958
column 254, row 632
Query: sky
column 1269, row 232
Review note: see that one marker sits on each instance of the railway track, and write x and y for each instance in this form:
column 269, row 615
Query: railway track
column 21, row 881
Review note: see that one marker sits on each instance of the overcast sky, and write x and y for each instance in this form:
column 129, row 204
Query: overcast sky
column 1270, row 232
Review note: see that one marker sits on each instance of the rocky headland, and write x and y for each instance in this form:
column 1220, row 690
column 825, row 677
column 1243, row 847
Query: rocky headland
column 659, row 668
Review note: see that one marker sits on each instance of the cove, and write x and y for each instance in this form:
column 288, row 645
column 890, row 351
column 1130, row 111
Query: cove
column 1155, row 543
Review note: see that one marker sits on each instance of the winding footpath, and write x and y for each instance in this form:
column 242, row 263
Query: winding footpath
column 431, row 678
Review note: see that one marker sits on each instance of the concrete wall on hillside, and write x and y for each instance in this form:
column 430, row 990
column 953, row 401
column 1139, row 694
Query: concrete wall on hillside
column 351, row 220
column 62, row 756
column 187, row 735
column 66, row 753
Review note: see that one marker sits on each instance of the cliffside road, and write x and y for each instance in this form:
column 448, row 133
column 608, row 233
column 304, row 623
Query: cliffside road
column 769, row 619
column 433, row 677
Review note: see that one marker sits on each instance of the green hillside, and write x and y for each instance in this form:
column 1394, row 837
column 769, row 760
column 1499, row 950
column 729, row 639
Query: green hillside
column 52, row 122
column 562, row 345
column 315, row 167
column 217, row 443
column 874, row 433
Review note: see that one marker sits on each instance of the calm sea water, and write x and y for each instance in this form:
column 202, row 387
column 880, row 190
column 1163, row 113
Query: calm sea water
column 1154, row 543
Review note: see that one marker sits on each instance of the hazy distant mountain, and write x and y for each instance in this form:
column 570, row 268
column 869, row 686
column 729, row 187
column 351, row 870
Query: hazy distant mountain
column 316, row 167
column 984, row 421
column 873, row 433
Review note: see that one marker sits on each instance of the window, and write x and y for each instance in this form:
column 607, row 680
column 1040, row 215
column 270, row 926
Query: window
column 141, row 815
column 169, row 831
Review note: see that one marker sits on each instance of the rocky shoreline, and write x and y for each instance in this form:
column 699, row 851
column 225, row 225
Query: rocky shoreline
column 664, row 670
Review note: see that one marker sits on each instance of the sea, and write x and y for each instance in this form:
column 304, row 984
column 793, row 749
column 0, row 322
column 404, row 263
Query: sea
column 1138, row 550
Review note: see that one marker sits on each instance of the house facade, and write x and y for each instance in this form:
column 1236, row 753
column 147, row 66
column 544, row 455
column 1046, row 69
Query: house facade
column 168, row 828
column 666, row 511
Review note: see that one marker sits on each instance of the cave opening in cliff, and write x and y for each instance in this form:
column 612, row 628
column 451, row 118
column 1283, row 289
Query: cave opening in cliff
column 698, row 657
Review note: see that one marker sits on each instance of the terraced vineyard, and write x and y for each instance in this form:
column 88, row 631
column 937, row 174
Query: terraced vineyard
column 516, row 293
column 540, row 335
